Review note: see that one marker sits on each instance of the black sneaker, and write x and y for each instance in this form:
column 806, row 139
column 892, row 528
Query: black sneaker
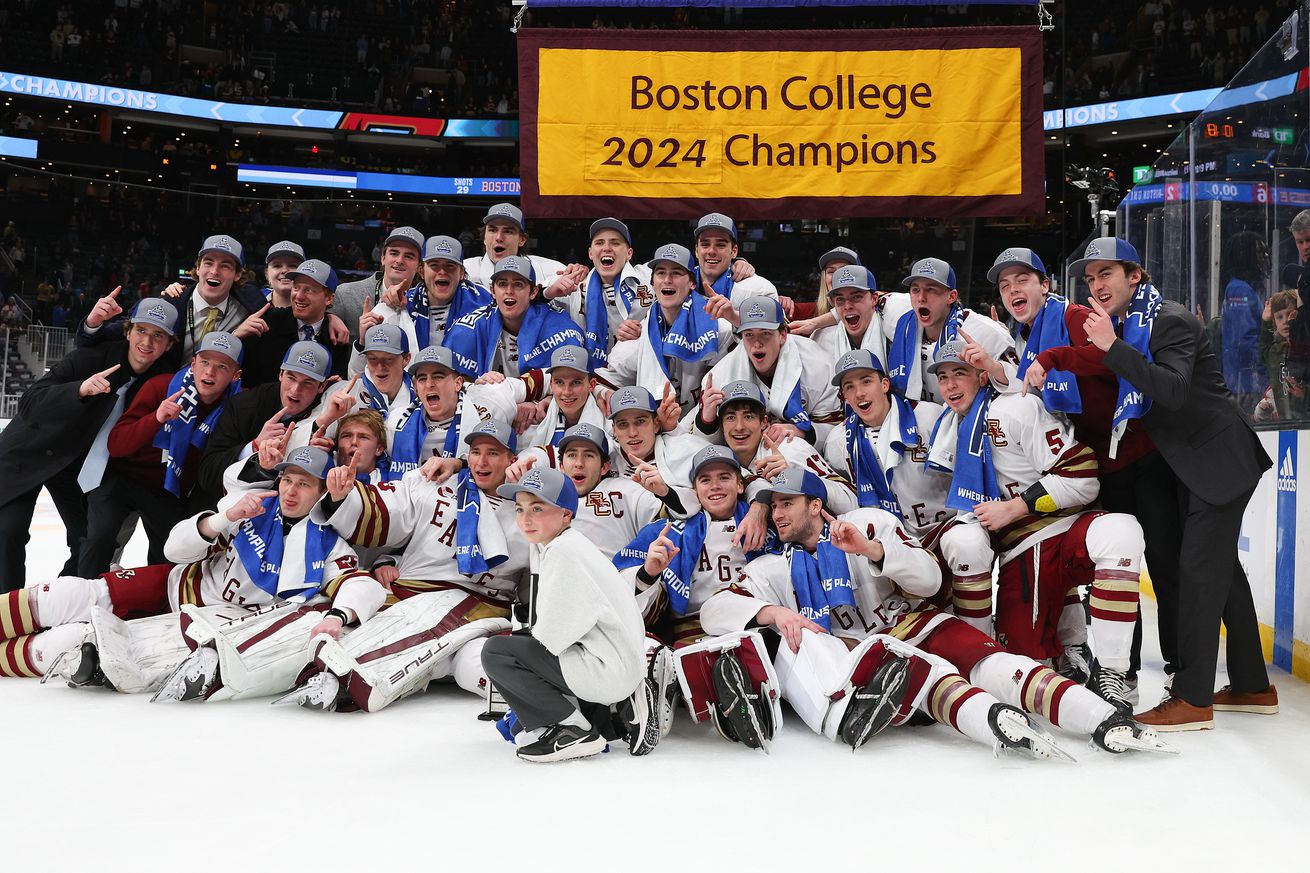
column 563, row 742
column 876, row 702
column 739, row 706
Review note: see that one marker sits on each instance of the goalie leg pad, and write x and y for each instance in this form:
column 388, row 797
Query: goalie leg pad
column 259, row 653
column 136, row 656
column 694, row 667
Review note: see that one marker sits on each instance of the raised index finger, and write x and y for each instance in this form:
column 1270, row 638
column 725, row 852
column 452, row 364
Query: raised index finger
column 827, row 516
column 1096, row 305
column 770, row 444
column 176, row 394
column 114, row 293
column 962, row 332
column 279, row 415
column 265, row 309
column 111, row 370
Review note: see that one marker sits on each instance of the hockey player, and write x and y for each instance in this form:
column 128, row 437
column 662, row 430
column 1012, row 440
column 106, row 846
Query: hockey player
column 934, row 315
column 858, row 307
column 505, row 235
column 616, row 293
column 399, row 272
column 1026, row 478
column 253, row 581
column 848, row 594
column 882, row 447
column 612, row 509
column 516, row 334
column 583, row 648
column 823, row 316
column 679, row 341
column 794, row 374
column 541, row 421
column 716, row 252
column 659, row 462
column 383, row 382
column 281, row 258
column 456, row 578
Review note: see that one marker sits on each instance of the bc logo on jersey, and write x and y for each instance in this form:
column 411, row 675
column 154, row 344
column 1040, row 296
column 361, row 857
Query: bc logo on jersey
column 995, row 433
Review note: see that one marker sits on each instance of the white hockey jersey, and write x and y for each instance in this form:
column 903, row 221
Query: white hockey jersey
column 479, row 269
column 636, row 362
column 615, row 510
column 841, row 495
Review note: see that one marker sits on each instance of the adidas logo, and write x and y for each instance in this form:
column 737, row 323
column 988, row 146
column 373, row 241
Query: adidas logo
column 1287, row 474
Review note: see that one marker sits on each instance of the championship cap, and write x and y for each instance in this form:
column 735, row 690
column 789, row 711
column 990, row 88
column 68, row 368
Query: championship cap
column 717, row 221
column 857, row 359
column 950, row 352
column 311, row 459
column 317, row 271
column 285, row 247
column 1016, row 257
column 443, row 248
column 742, row 391
column 157, row 312
column 438, row 355
column 841, row 253
column 852, row 277
column 713, row 455
column 796, row 481
column 387, row 338
column 545, row 483
column 517, row 265
column 406, row 236
column 506, row 212
column 1106, row 248
column 221, row 342
column 224, row 245
column 760, row 312
column 630, row 398
column 571, row 357
column 308, row 358
column 495, row 429
column 672, row 253
column 587, row 433
column 611, row 224
column 931, row 268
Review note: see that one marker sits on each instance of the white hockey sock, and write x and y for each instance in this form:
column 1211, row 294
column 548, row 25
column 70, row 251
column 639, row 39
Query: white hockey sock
column 1114, row 542
column 954, row 702
column 578, row 720
column 467, row 669
column 69, row 599
column 1073, row 621
column 1020, row 681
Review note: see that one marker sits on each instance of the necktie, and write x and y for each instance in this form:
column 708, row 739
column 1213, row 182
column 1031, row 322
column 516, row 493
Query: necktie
column 306, row 331
column 211, row 319
column 97, row 457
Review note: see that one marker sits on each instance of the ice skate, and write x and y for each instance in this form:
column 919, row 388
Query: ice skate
column 321, row 692
column 1111, row 686
column 875, row 704
column 640, row 717
column 740, row 708
column 190, row 680
column 1121, row 733
column 1076, row 663
column 665, row 679
column 79, row 667
column 1014, row 730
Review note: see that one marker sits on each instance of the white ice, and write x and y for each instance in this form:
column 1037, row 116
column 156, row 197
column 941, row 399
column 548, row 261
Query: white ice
column 100, row 781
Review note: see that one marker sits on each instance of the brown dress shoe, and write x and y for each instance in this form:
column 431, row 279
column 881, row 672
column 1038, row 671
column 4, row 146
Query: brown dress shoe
column 1176, row 714
column 1260, row 702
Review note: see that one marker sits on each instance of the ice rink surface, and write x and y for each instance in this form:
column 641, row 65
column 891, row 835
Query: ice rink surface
column 101, row 781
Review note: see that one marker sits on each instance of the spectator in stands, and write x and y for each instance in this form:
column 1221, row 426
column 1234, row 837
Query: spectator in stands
column 1285, row 398
column 1243, row 266
column 11, row 314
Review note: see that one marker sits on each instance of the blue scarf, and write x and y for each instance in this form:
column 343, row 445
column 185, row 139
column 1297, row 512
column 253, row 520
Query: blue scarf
column 186, row 431
column 693, row 336
column 473, row 339
column 904, row 353
column 1049, row 331
column 259, row 542
column 722, row 285
column 407, row 441
column 821, row 581
column 974, row 478
column 873, row 485
column 689, row 537
column 376, row 399
column 468, row 550
column 468, row 297
column 1137, row 324
column 597, row 337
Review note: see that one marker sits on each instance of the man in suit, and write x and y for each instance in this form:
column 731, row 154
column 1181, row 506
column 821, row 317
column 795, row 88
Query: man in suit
column 59, row 438
column 1196, row 425
column 399, row 271
column 314, row 285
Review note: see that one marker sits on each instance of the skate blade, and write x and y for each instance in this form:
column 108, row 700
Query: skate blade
column 174, row 687
column 1141, row 744
column 291, row 697
column 1040, row 745
column 55, row 666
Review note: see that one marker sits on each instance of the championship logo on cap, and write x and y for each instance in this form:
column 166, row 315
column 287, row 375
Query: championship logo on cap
column 1014, row 255
column 738, row 390
column 301, row 456
column 221, row 342
column 377, row 336
column 309, row 359
column 532, row 480
column 926, row 270
column 848, row 361
column 755, row 311
column 1093, row 252
column 443, row 248
column 570, row 357
column 155, row 311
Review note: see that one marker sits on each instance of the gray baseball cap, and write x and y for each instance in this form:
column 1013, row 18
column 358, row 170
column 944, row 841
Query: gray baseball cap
column 717, row 221
column 713, row 455
column 931, row 268
column 1015, row 257
column 571, row 357
column 221, row 342
column 742, row 391
column 387, row 338
column 586, row 433
column 308, row 358
column 630, row 398
column 158, row 312
column 443, row 248
column 853, row 276
column 760, row 312
column 438, row 355
column 317, row 271
column 500, row 431
column 505, row 212
column 407, row 236
column 796, row 481
column 285, row 247
column 857, row 359
column 672, row 253
column 519, row 266
column 311, row 459
column 546, row 484
column 611, row 224
column 222, row 244
column 840, row 253
column 1106, row 248
column 949, row 352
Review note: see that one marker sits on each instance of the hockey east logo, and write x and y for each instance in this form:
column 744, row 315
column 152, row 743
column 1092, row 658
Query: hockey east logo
column 1287, row 474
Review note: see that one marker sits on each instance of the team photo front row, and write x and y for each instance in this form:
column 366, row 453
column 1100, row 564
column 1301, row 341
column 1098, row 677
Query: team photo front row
column 584, row 494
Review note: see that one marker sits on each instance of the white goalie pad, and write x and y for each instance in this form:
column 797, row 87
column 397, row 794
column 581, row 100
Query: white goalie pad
column 259, row 652
column 136, row 656
column 399, row 651
column 694, row 665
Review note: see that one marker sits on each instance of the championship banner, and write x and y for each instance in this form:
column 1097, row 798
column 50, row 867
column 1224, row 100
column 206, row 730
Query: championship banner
column 766, row 124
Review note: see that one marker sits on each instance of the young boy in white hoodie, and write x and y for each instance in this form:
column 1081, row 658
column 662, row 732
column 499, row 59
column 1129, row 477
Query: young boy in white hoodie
column 583, row 649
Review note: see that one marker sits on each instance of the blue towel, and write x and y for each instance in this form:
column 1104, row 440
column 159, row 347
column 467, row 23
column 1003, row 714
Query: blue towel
column 1051, row 331
column 259, row 542
column 974, row 479
column 468, row 548
column 693, row 336
column 904, row 353
column 186, row 431
column 597, row 337
column 872, row 484
column 1137, row 324
column 473, row 339
column 468, row 297
column 821, row 581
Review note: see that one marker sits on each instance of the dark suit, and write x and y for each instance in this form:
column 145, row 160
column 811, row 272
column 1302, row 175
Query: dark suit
column 46, row 443
column 263, row 359
column 1201, row 433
